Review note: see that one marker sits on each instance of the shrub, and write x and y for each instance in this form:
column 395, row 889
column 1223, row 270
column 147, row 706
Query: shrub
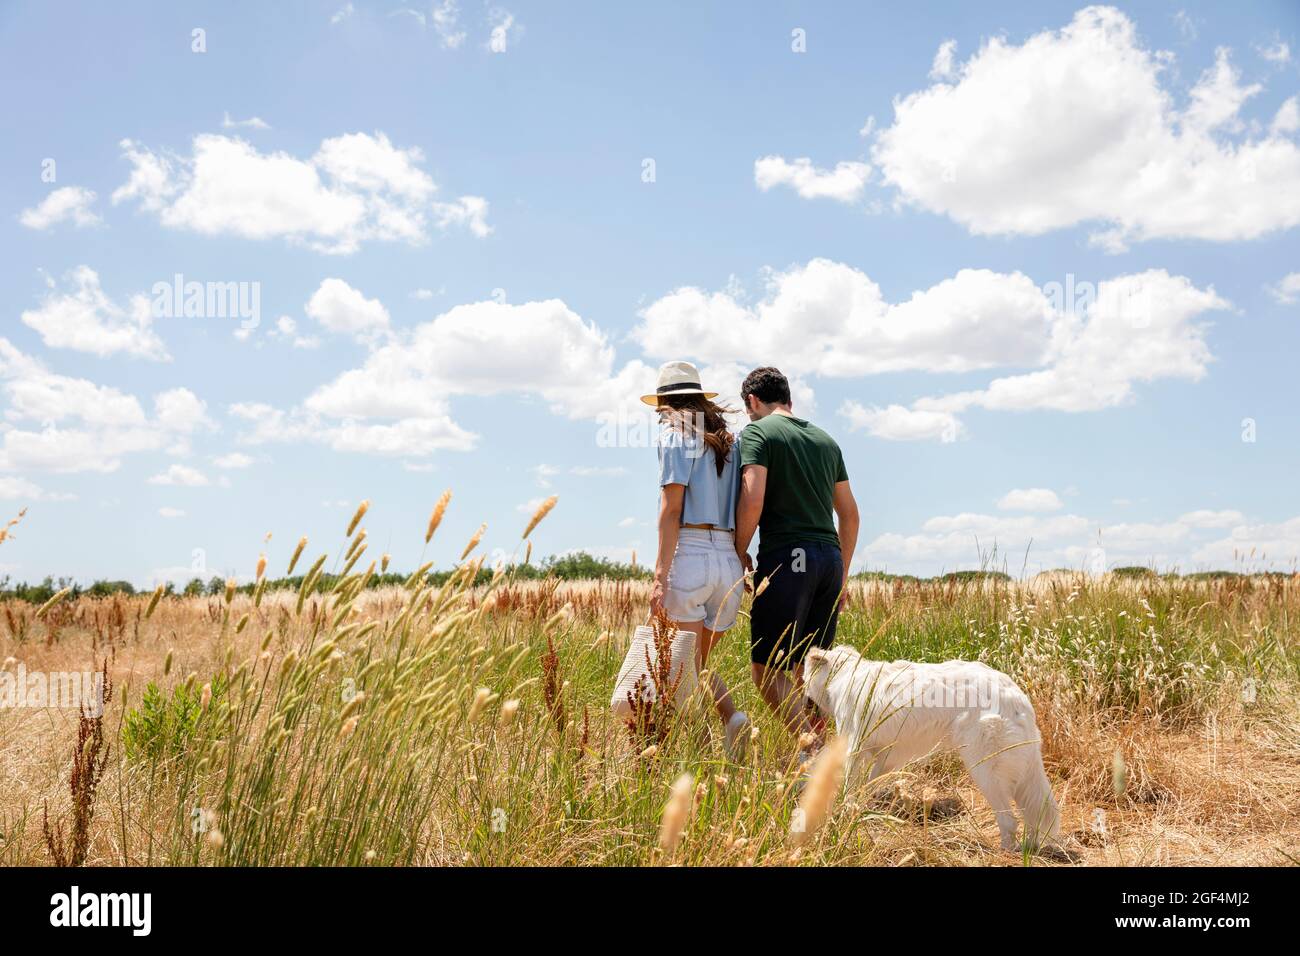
column 161, row 728
column 1134, row 571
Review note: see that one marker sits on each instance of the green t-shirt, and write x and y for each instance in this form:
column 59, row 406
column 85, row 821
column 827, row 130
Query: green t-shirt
column 803, row 465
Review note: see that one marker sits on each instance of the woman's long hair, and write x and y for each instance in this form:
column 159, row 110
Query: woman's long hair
column 697, row 417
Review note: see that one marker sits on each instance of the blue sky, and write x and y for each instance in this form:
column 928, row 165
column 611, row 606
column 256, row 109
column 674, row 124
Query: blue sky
column 474, row 230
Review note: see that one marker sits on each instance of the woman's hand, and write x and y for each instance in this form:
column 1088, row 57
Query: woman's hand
column 657, row 592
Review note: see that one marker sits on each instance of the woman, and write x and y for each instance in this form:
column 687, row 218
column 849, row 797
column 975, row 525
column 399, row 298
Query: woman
column 698, row 579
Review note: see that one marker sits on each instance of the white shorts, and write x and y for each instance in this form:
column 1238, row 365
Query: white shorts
column 704, row 582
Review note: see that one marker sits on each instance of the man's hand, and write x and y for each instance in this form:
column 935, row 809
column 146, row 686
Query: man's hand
column 844, row 591
column 747, row 564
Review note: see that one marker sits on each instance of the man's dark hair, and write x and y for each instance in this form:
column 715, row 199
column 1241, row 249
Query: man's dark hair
column 768, row 385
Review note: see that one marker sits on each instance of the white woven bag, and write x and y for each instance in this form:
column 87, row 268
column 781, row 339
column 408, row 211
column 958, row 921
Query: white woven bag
column 634, row 668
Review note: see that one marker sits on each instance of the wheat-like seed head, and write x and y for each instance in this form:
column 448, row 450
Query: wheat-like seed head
column 435, row 518
column 542, row 511
column 356, row 518
column 297, row 553
column 153, row 602
column 480, row 701
column 261, row 567
column 676, row 811
column 822, row 788
column 473, row 542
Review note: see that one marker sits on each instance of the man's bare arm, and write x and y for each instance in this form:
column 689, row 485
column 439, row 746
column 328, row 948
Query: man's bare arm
column 753, row 487
column 846, row 510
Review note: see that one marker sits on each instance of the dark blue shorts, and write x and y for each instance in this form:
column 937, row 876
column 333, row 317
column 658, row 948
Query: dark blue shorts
column 799, row 607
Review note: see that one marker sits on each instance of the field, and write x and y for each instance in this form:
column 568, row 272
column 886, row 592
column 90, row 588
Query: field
column 469, row 724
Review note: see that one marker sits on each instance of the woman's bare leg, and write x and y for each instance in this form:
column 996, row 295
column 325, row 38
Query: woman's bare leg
column 704, row 643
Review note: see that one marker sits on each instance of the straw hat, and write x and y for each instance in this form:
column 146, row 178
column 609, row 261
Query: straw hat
column 677, row 378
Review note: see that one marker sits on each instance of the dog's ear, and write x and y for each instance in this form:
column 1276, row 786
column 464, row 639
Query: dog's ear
column 815, row 656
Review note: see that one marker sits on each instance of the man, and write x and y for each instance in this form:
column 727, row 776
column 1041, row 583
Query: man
column 793, row 486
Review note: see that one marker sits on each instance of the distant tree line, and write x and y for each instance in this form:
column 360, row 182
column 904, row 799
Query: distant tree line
column 578, row 565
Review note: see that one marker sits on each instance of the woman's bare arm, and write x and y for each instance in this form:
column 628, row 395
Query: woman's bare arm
column 670, row 526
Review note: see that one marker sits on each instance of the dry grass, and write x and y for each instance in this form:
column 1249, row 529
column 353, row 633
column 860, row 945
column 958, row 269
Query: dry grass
column 420, row 725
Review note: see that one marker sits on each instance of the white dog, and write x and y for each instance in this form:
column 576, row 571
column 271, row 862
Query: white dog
column 893, row 713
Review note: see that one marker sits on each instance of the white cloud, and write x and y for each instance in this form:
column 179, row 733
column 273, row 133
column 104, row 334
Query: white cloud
column 546, row 472
column 828, row 318
column 169, row 512
column 234, row 459
column 970, row 541
column 181, row 411
column 431, row 431
column 1198, row 540
column 467, row 211
column 1040, row 542
column 1277, row 52
column 1254, row 547
column 286, row 329
column 415, row 15
column 944, row 59
column 1287, row 118
column 483, row 348
column 342, row 13
column 1140, row 328
column 1205, row 518
column 446, row 24
column 396, row 401
column 1074, row 127
column 1287, row 290
column 86, row 320
column 342, row 309
column 70, row 203
column 62, row 424
column 356, row 188
column 20, row 489
column 253, row 122
column 845, row 183
column 896, row 423
column 180, row 475
column 1189, row 27
column 1030, row 499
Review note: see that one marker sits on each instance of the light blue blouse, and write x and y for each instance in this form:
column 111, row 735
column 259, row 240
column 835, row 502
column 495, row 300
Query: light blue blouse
column 710, row 498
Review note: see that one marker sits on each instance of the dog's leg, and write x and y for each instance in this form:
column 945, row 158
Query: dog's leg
column 1038, row 806
column 999, row 797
